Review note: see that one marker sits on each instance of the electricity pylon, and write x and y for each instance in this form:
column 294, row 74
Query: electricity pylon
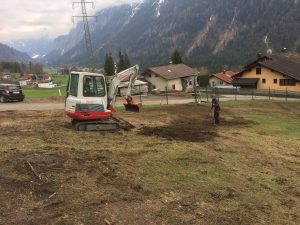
column 87, row 34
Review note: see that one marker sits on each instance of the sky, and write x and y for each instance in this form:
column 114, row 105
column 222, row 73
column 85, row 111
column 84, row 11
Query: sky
column 32, row 19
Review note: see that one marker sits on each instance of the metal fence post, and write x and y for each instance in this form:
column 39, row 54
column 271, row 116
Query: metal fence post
column 235, row 97
column 286, row 94
column 252, row 94
column 207, row 93
column 167, row 97
column 269, row 93
column 140, row 94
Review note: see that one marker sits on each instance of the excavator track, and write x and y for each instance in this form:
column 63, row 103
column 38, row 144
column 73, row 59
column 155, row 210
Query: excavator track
column 123, row 124
column 111, row 125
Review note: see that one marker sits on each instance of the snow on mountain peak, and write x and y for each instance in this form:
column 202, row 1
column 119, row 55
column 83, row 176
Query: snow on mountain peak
column 35, row 56
column 159, row 3
column 135, row 8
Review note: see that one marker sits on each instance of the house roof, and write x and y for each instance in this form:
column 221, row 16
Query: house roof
column 43, row 76
column 226, row 76
column 6, row 72
column 25, row 78
column 287, row 63
column 136, row 83
column 170, row 72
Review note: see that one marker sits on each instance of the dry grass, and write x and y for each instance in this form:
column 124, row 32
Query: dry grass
column 176, row 167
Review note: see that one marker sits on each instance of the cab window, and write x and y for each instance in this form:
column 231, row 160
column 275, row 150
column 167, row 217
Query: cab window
column 74, row 85
column 93, row 86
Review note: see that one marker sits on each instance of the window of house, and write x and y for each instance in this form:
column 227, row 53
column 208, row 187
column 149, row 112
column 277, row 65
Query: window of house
column 275, row 81
column 287, row 82
column 258, row 70
column 263, row 80
column 149, row 75
column 156, row 75
column 173, row 87
column 74, row 85
column 93, row 86
column 191, row 83
column 153, row 86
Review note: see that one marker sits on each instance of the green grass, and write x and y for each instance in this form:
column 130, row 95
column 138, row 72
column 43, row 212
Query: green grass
column 276, row 125
column 60, row 80
column 51, row 70
column 31, row 93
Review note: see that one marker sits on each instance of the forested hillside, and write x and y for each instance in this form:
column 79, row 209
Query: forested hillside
column 209, row 33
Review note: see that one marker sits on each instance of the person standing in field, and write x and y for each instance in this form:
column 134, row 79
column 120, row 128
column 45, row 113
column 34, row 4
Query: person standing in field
column 215, row 105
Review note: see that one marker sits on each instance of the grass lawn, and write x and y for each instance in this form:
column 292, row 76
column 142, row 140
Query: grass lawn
column 31, row 93
column 175, row 167
column 51, row 70
column 61, row 80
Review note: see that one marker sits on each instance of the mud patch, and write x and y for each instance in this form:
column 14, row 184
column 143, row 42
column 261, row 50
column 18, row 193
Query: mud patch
column 183, row 130
column 192, row 129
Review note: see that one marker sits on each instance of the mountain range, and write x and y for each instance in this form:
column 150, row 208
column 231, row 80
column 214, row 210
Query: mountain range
column 213, row 34
column 36, row 48
column 8, row 54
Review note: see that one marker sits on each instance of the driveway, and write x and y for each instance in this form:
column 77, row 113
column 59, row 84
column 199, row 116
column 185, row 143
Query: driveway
column 149, row 100
column 60, row 105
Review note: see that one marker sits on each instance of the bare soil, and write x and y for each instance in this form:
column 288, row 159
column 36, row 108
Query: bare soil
column 175, row 167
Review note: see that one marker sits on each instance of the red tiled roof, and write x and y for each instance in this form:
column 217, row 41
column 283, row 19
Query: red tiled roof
column 226, row 76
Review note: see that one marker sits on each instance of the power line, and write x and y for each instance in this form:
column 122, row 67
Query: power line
column 87, row 34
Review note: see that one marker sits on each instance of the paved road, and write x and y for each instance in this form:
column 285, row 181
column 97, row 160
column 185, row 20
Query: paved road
column 146, row 101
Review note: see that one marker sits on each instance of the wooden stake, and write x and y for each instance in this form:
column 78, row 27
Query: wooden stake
column 107, row 222
column 33, row 171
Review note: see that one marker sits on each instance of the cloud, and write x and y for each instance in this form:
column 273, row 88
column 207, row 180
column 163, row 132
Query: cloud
column 32, row 19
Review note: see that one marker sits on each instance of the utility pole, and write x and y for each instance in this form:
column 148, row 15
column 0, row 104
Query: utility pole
column 87, row 34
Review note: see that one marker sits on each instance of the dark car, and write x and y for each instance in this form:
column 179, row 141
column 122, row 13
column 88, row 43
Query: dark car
column 11, row 92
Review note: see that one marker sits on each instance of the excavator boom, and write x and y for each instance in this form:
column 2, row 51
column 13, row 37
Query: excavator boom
column 128, row 74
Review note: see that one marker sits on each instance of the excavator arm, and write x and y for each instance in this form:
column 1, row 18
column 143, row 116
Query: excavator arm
column 132, row 73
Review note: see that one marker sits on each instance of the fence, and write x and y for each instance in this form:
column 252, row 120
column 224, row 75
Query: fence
column 237, row 93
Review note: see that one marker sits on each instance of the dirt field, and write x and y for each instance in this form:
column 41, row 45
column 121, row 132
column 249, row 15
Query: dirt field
column 175, row 167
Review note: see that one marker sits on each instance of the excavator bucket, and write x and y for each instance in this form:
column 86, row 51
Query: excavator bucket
column 135, row 107
column 131, row 105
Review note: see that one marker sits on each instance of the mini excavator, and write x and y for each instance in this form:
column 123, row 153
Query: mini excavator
column 90, row 102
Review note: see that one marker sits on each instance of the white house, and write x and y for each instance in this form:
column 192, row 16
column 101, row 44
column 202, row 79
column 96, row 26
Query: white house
column 224, row 78
column 25, row 80
column 140, row 87
column 5, row 75
column 178, row 77
column 46, row 84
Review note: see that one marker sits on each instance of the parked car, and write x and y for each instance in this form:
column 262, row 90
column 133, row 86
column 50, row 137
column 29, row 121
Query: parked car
column 11, row 92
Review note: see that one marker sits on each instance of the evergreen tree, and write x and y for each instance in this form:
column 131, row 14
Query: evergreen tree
column 127, row 63
column 109, row 66
column 176, row 57
column 121, row 64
